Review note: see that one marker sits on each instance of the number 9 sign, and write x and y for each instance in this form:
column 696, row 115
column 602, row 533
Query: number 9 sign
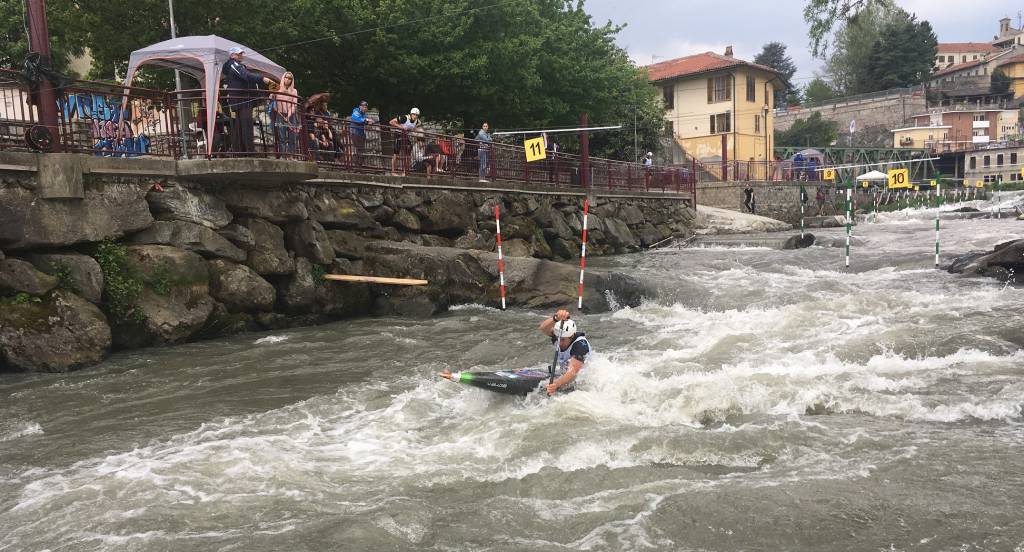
column 828, row 175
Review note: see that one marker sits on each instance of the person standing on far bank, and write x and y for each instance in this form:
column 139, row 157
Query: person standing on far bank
column 484, row 139
column 748, row 198
column 239, row 95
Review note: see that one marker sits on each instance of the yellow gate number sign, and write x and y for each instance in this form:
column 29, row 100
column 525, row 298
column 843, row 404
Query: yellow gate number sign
column 535, row 150
column 899, row 178
column 830, row 175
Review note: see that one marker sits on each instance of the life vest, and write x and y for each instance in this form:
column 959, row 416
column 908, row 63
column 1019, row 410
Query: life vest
column 564, row 356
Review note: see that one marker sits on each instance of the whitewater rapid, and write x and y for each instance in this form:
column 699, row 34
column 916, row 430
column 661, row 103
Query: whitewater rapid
column 764, row 400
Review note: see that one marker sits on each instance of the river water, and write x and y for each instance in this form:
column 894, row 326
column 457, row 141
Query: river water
column 767, row 400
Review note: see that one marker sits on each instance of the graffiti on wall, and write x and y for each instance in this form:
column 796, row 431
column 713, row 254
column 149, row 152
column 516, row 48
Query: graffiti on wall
column 114, row 129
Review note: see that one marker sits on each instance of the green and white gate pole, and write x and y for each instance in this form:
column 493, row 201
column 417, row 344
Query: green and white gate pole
column 849, row 218
column 803, row 201
column 938, row 208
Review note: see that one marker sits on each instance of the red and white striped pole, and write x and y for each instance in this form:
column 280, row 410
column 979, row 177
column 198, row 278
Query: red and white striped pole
column 501, row 260
column 583, row 250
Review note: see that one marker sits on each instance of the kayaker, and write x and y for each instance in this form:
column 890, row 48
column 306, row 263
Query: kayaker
column 571, row 345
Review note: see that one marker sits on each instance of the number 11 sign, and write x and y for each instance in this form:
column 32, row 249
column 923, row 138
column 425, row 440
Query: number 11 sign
column 535, row 150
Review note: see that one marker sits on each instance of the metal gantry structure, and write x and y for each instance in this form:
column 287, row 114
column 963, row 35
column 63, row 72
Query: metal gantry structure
column 860, row 160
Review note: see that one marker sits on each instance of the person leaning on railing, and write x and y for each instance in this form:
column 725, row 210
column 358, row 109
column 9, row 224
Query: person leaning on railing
column 357, row 130
column 241, row 85
column 284, row 107
column 484, row 149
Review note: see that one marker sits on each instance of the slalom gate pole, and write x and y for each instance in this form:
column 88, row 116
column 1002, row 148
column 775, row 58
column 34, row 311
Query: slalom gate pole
column 999, row 207
column 583, row 250
column 803, row 195
column 938, row 206
column 501, row 260
column 849, row 219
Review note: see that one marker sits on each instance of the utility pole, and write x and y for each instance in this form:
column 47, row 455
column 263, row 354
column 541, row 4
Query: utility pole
column 636, row 143
column 177, row 86
column 584, row 153
column 39, row 42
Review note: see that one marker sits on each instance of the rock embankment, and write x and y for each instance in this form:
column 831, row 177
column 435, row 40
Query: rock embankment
column 146, row 267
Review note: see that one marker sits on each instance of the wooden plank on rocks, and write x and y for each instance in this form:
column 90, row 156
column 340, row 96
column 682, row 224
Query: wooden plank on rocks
column 375, row 280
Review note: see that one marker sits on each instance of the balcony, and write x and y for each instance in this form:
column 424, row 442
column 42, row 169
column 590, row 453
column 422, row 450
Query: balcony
column 979, row 124
column 979, row 139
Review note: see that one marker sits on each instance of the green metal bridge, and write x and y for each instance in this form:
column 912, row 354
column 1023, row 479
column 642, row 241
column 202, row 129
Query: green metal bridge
column 851, row 162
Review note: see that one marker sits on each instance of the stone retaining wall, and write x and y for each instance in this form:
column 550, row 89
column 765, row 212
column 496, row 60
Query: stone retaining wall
column 777, row 200
column 140, row 260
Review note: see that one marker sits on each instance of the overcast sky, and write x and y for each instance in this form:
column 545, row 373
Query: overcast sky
column 673, row 28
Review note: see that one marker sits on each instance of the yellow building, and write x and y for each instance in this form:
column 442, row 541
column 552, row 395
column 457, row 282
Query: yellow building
column 719, row 106
column 1013, row 66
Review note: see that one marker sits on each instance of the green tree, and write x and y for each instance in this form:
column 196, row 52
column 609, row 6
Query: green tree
column 69, row 42
column 774, row 55
column 1001, row 82
column 904, row 54
column 531, row 63
column 818, row 90
column 814, row 131
column 848, row 65
column 823, row 17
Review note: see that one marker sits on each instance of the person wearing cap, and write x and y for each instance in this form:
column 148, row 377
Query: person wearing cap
column 402, row 126
column 571, row 347
column 239, row 98
column 357, row 129
column 649, row 160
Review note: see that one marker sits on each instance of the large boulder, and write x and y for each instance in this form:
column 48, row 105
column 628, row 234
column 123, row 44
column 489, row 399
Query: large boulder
column 83, row 271
column 109, row 211
column 189, row 205
column 553, row 224
column 309, row 239
column 483, row 241
column 17, row 276
column 189, row 236
column 277, row 206
column 406, row 199
column 631, row 215
column 619, row 235
column 238, row 235
column 348, row 244
column 345, row 299
column 268, row 257
column 239, row 288
column 300, row 293
column 341, row 213
column 517, row 248
column 406, row 220
column 56, row 334
column 446, row 215
column 1003, row 262
column 648, row 234
column 175, row 303
column 464, row 276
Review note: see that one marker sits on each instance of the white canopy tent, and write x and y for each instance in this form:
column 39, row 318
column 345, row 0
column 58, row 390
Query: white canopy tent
column 873, row 176
column 202, row 57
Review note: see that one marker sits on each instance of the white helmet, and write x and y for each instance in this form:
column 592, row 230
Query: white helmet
column 414, row 111
column 565, row 328
column 650, row 154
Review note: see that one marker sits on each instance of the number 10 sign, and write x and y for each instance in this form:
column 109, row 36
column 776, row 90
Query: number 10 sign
column 535, row 150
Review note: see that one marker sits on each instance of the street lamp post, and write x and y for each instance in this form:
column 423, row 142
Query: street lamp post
column 177, row 85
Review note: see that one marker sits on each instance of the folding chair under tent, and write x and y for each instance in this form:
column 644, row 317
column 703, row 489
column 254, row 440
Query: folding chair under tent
column 202, row 57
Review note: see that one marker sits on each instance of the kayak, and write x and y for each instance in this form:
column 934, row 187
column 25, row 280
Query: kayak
column 514, row 382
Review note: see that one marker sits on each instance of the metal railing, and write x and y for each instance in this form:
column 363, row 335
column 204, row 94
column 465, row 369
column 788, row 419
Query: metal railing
column 116, row 121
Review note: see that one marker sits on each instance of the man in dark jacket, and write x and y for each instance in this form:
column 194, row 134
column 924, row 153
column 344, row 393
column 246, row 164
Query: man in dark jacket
column 239, row 100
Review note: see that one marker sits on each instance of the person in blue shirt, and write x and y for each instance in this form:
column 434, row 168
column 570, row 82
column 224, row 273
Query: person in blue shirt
column 483, row 149
column 357, row 129
column 239, row 96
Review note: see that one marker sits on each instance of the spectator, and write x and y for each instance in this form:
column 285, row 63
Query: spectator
column 748, row 198
column 401, row 126
column 240, row 83
column 649, row 160
column 648, row 168
column 357, row 130
column 821, row 197
column 316, row 105
column 422, row 160
column 552, row 157
column 321, row 139
column 284, row 108
column 483, row 149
